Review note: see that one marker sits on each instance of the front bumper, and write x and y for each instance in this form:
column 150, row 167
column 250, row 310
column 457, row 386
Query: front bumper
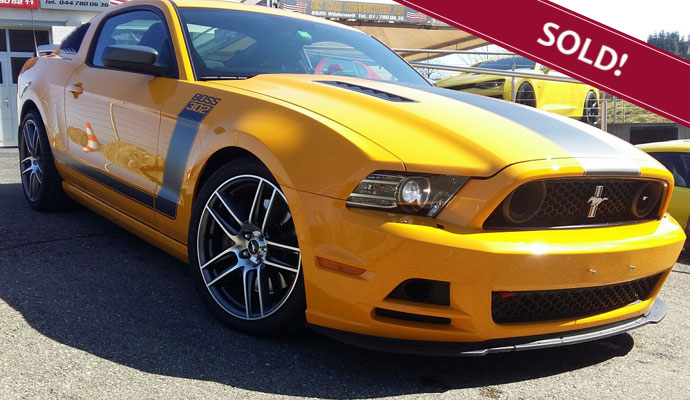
column 655, row 314
column 474, row 263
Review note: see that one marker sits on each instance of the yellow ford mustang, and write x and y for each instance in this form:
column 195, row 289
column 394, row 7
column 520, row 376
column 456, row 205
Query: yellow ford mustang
column 574, row 100
column 675, row 155
column 440, row 221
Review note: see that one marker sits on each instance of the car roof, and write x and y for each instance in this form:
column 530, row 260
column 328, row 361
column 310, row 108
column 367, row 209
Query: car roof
column 682, row 146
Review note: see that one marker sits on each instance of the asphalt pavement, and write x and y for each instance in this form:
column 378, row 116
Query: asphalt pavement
column 89, row 311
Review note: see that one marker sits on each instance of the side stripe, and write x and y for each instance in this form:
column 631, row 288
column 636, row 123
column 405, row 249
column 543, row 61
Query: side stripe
column 183, row 136
column 125, row 189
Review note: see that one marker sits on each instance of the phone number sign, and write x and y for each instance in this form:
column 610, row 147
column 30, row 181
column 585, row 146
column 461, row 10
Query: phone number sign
column 19, row 3
column 81, row 5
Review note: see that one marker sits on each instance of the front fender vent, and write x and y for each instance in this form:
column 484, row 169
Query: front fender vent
column 371, row 92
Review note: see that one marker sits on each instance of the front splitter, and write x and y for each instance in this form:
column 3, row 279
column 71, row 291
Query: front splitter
column 655, row 314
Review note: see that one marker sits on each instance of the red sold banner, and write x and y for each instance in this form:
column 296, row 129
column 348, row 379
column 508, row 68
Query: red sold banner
column 19, row 3
column 577, row 46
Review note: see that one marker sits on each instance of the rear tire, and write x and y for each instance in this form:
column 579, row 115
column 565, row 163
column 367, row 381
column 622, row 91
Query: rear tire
column 591, row 113
column 525, row 95
column 243, row 251
column 41, row 181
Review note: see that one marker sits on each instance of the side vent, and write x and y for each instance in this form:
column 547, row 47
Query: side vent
column 371, row 92
column 381, row 312
column 423, row 291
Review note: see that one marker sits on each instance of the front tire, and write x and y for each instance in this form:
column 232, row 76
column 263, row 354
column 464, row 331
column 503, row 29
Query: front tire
column 243, row 250
column 40, row 179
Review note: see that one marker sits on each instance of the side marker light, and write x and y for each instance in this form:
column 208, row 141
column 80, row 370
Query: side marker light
column 340, row 267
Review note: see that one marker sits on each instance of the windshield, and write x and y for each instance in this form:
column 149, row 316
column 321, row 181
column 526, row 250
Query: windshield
column 507, row 63
column 227, row 44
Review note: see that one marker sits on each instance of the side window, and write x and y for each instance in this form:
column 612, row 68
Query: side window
column 142, row 28
column 678, row 164
column 72, row 42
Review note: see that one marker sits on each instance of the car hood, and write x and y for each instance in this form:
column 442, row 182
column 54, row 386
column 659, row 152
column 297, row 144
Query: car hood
column 444, row 131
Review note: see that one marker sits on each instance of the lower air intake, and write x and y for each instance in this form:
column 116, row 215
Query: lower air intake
column 549, row 305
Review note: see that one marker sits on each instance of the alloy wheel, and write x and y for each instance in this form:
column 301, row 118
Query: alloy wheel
column 31, row 164
column 526, row 96
column 591, row 111
column 247, row 248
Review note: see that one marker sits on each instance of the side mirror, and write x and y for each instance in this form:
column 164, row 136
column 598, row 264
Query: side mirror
column 133, row 58
column 46, row 49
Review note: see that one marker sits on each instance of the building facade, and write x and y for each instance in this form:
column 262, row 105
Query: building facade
column 25, row 24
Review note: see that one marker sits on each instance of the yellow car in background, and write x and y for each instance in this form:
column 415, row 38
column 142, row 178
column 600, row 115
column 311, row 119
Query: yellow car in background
column 574, row 100
column 387, row 213
column 675, row 155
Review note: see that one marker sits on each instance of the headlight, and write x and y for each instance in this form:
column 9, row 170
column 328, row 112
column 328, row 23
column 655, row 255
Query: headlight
column 406, row 193
column 490, row 84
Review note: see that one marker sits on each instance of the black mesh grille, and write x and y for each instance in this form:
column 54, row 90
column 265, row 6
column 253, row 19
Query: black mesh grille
column 567, row 204
column 548, row 305
column 371, row 92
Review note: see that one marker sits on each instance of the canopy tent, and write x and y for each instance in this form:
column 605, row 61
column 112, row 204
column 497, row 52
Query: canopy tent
column 421, row 37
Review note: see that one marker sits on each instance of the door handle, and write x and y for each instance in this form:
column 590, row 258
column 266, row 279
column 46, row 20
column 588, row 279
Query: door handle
column 76, row 89
column 7, row 102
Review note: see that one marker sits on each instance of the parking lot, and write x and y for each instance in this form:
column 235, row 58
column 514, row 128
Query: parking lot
column 88, row 310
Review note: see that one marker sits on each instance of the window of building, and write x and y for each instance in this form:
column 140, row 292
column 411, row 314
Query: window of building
column 22, row 40
column 17, row 64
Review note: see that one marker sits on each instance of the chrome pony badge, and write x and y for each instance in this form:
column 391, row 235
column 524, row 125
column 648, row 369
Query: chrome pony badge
column 595, row 201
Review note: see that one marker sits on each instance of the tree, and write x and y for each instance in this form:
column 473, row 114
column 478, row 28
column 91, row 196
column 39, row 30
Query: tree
column 669, row 41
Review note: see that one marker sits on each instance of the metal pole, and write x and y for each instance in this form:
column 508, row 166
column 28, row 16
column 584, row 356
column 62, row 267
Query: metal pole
column 605, row 115
column 496, row 72
column 434, row 51
column 513, row 81
column 615, row 109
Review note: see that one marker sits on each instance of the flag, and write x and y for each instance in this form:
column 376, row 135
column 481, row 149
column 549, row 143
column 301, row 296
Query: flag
column 299, row 7
column 416, row 16
column 116, row 2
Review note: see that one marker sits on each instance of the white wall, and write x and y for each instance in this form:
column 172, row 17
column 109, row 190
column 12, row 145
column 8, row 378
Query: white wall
column 22, row 17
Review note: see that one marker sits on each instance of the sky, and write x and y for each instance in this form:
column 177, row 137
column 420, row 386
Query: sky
column 638, row 18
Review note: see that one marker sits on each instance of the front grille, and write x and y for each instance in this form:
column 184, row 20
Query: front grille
column 549, row 305
column 567, row 203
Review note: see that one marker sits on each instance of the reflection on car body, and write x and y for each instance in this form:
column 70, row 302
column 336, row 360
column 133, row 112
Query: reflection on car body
column 575, row 100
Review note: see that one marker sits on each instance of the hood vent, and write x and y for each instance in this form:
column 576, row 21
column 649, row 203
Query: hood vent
column 371, row 92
